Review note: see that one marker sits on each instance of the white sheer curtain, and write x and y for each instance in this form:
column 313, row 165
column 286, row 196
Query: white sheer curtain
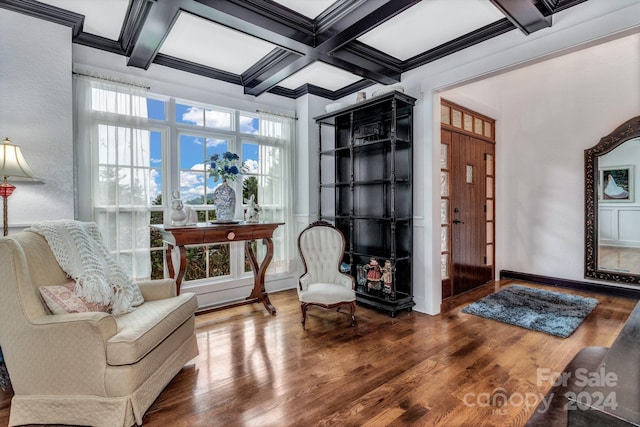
column 113, row 168
column 275, row 189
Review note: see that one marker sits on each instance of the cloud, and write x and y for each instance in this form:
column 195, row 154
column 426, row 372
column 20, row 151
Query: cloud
column 211, row 142
column 154, row 187
column 209, row 118
column 252, row 165
column 248, row 124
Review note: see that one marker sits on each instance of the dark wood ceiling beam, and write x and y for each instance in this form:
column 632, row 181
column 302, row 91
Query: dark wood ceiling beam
column 277, row 58
column 275, row 74
column 524, row 14
column 133, row 22
column 482, row 34
column 160, row 17
column 352, row 22
column 199, row 69
column 359, row 21
column 246, row 17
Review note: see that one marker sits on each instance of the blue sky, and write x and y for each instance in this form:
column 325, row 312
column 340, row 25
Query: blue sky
column 194, row 150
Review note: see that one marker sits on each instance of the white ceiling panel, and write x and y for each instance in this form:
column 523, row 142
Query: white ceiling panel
column 429, row 24
column 101, row 17
column 309, row 8
column 322, row 75
column 198, row 40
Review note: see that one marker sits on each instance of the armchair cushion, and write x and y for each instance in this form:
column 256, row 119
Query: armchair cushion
column 142, row 330
column 62, row 299
column 327, row 293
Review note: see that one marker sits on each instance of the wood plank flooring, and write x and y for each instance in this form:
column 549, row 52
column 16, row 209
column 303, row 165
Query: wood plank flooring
column 415, row 369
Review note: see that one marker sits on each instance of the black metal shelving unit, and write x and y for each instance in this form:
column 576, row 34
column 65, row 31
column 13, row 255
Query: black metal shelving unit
column 365, row 176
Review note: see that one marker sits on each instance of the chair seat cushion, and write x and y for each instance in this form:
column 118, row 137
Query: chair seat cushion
column 327, row 293
column 143, row 329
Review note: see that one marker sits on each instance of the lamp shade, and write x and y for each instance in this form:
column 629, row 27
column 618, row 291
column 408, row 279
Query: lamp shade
column 12, row 162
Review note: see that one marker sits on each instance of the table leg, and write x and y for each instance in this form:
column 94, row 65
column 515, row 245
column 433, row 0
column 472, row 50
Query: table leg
column 181, row 269
column 259, row 271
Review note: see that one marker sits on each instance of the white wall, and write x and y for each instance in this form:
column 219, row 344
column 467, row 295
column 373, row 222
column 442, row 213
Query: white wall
column 36, row 113
column 576, row 100
column 548, row 113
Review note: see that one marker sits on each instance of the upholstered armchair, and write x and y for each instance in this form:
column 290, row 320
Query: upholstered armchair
column 321, row 248
column 85, row 368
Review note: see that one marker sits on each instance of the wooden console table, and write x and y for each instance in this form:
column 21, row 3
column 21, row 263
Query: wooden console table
column 204, row 233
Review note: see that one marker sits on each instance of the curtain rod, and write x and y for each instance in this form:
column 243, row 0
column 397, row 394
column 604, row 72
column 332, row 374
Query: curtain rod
column 277, row 114
column 112, row 80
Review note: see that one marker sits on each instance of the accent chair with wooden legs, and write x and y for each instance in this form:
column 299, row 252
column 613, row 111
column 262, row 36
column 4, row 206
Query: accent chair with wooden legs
column 323, row 285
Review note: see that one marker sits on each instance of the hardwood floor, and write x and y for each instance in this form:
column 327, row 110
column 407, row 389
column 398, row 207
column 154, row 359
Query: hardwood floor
column 415, row 369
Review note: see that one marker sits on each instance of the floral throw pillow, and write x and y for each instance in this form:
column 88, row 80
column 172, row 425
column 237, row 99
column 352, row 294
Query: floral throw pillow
column 62, row 299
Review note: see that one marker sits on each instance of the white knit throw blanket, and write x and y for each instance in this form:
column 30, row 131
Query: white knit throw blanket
column 82, row 254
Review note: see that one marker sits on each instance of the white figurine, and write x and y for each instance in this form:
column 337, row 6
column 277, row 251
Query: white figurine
column 252, row 209
column 178, row 215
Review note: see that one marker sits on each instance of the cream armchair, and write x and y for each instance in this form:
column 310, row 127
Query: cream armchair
column 321, row 247
column 86, row 368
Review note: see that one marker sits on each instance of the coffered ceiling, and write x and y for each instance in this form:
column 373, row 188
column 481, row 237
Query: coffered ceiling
column 291, row 47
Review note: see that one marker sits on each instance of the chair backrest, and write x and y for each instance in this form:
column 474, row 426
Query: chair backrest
column 321, row 247
column 27, row 264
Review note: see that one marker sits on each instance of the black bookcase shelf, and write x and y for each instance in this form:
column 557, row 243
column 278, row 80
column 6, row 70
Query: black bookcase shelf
column 366, row 165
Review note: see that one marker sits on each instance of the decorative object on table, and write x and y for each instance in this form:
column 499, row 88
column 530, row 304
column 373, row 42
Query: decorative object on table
column 253, row 209
column 386, row 89
column 12, row 165
column 374, row 274
column 554, row 313
column 361, row 96
column 178, row 213
column 226, row 167
column 387, row 279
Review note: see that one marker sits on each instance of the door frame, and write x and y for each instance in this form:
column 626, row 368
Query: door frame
column 457, row 119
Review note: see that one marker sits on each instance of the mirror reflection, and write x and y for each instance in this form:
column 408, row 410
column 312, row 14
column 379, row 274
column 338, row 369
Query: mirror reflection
column 618, row 209
column 612, row 206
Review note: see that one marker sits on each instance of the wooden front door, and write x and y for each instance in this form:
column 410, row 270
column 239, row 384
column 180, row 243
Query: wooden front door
column 469, row 218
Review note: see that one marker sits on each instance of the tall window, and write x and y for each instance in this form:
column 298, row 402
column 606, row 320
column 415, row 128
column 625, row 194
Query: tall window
column 134, row 156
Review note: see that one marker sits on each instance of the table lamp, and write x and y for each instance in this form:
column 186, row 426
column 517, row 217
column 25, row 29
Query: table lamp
column 12, row 165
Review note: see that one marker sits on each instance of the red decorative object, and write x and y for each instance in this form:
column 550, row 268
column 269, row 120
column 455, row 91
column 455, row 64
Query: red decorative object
column 6, row 189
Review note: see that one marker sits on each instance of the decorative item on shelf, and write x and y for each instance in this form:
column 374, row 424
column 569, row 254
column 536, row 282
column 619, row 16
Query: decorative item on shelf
column 345, row 267
column 12, row 165
column 361, row 280
column 374, row 275
column 368, row 132
column 253, row 209
column 225, row 167
column 334, row 106
column 386, row 89
column 387, row 280
column 361, row 96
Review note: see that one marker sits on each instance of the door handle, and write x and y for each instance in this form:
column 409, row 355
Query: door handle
column 457, row 221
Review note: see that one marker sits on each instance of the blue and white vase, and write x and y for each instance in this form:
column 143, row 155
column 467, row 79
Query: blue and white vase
column 224, row 198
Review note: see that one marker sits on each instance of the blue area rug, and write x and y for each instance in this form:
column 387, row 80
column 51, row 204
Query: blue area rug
column 554, row 313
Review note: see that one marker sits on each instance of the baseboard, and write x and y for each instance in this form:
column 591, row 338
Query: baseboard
column 632, row 293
